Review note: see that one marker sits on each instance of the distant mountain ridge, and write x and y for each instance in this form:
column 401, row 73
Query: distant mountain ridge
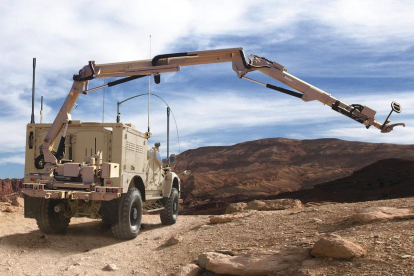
column 272, row 166
column 269, row 167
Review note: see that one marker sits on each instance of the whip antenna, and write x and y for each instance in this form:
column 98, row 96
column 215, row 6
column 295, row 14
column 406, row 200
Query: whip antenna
column 41, row 109
column 32, row 120
column 149, row 93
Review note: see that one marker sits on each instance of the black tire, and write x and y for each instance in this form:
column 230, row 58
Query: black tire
column 170, row 214
column 130, row 215
column 48, row 221
column 106, row 222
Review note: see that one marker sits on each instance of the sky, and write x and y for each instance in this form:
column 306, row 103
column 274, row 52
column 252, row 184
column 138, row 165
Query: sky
column 359, row 51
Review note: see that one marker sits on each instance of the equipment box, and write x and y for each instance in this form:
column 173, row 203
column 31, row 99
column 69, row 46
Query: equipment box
column 110, row 170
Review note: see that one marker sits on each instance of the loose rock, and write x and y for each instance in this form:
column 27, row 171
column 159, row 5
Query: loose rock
column 229, row 217
column 188, row 270
column 236, row 207
column 174, row 240
column 334, row 246
column 277, row 204
column 110, row 267
column 371, row 214
column 18, row 202
column 9, row 210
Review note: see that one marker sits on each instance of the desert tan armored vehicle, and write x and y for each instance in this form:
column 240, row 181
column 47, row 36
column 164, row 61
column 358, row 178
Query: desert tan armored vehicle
column 109, row 171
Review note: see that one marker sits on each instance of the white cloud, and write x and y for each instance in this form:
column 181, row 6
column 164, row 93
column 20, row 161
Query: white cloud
column 370, row 21
column 65, row 35
column 14, row 159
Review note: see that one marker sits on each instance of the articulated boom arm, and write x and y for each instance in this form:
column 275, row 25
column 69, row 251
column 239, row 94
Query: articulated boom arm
column 172, row 63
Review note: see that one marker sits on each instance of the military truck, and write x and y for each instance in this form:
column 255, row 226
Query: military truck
column 109, row 171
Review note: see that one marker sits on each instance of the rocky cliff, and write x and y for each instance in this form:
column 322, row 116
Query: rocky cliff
column 8, row 186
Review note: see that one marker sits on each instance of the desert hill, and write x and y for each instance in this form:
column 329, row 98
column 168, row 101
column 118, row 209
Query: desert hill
column 269, row 167
column 389, row 178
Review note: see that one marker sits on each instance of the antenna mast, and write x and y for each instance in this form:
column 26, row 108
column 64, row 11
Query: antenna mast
column 149, row 93
column 32, row 120
column 41, row 109
column 103, row 102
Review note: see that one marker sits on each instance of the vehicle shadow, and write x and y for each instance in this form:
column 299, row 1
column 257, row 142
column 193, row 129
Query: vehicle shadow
column 78, row 238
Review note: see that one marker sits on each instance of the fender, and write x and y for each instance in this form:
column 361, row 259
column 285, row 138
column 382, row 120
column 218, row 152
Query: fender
column 168, row 184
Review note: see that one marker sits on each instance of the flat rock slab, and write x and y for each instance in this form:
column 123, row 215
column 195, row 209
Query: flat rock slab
column 230, row 217
column 334, row 246
column 372, row 214
column 252, row 263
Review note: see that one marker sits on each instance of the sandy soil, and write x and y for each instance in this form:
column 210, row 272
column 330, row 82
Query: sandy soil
column 88, row 245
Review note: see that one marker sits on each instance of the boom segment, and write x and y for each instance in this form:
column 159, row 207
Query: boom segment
column 172, row 62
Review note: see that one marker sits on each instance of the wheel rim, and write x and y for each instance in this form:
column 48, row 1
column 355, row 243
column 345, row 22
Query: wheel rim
column 134, row 215
column 175, row 207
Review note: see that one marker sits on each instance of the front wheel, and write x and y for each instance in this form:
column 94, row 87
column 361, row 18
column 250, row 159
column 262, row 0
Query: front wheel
column 49, row 221
column 129, row 216
column 170, row 214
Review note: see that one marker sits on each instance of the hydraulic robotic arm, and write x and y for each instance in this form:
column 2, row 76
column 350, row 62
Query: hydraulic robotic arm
column 172, row 63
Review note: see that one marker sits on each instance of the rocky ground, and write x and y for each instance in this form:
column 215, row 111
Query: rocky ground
column 284, row 238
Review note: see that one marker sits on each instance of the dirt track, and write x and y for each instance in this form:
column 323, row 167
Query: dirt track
column 88, row 245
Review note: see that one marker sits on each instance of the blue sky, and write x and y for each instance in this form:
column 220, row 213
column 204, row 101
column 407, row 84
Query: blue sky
column 359, row 51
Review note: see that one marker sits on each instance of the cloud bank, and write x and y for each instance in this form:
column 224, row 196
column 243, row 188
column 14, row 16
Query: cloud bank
column 345, row 46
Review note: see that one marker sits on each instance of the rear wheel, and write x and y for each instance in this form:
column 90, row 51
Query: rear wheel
column 170, row 214
column 130, row 215
column 49, row 221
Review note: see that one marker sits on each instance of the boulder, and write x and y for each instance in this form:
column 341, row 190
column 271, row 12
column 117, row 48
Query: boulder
column 18, row 202
column 334, row 246
column 253, row 262
column 188, row 270
column 277, row 204
column 236, row 207
column 372, row 214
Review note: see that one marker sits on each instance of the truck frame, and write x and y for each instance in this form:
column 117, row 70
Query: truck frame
column 108, row 170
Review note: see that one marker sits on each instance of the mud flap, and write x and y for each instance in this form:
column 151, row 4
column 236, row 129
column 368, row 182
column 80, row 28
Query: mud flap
column 31, row 206
column 109, row 211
